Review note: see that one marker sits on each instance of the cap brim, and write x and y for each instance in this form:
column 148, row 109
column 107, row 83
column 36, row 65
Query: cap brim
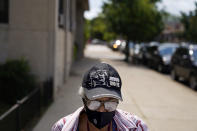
column 102, row 92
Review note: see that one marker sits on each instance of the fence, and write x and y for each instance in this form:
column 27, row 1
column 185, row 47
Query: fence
column 17, row 117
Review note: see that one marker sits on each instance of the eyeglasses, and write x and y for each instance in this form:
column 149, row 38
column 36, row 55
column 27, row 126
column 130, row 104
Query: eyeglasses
column 95, row 104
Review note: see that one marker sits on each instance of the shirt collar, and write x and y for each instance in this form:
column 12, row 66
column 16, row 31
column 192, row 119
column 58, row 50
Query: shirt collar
column 124, row 120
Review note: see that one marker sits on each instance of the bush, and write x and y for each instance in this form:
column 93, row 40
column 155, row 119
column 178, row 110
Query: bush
column 16, row 81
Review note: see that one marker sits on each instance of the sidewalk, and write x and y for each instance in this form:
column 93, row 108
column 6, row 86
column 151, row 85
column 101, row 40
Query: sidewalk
column 164, row 104
column 68, row 99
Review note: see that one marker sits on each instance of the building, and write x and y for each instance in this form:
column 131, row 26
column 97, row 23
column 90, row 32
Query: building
column 44, row 32
column 173, row 28
column 172, row 31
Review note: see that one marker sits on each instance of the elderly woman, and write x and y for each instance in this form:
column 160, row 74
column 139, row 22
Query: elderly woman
column 101, row 93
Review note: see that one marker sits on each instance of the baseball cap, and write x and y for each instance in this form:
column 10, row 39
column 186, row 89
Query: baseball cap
column 102, row 80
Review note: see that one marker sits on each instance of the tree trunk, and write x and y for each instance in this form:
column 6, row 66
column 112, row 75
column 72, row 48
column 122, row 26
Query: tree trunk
column 127, row 51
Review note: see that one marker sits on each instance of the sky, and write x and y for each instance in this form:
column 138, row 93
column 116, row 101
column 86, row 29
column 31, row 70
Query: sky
column 171, row 6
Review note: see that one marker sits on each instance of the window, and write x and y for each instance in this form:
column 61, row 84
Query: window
column 4, row 11
column 70, row 15
column 65, row 17
column 61, row 13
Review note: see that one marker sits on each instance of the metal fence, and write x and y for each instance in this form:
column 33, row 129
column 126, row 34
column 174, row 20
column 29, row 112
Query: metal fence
column 17, row 117
column 9, row 120
column 47, row 92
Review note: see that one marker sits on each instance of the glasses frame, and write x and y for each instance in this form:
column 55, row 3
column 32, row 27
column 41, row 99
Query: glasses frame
column 101, row 102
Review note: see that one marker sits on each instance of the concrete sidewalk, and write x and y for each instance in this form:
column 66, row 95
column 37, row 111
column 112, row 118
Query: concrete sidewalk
column 68, row 99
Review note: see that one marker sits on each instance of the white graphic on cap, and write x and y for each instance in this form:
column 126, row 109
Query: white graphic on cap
column 113, row 81
column 99, row 78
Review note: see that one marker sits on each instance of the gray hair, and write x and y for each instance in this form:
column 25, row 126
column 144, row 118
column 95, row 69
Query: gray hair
column 81, row 92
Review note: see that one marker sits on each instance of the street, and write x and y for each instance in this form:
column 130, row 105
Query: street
column 164, row 104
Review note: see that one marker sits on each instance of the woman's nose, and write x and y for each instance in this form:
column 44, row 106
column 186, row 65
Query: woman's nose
column 102, row 108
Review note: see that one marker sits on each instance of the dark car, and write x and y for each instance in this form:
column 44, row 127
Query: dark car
column 139, row 53
column 143, row 53
column 184, row 65
column 162, row 56
column 135, row 53
column 149, row 54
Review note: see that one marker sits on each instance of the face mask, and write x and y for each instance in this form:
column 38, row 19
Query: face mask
column 99, row 119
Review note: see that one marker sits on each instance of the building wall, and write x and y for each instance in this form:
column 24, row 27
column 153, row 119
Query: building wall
column 27, row 34
column 64, row 44
column 70, row 25
column 3, row 42
column 33, row 32
column 68, row 53
column 31, row 45
column 59, row 59
column 80, row 32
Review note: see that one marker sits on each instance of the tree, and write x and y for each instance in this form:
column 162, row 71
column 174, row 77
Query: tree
column 136, row 20
column 190, row 24
column 97, row 28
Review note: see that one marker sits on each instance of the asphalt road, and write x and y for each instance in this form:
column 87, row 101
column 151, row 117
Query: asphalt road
column 164, row 104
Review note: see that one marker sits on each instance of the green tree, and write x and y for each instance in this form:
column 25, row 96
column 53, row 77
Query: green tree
column 97, row 28
column 190, row 24
column 87, row 29
column 136, row 20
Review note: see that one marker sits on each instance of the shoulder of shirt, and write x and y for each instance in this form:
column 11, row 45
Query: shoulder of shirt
column 60, row 123
column 139, row 123
column 68, row 122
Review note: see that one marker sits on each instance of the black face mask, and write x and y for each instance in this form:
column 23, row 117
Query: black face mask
column 99, row 119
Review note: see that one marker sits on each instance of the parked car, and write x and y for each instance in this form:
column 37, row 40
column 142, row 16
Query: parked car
column 143, row 53
column 97, row 42
column 115, row 45
column 184, row 65
column 110, row 44
column 135, row 54
column 162, row 56
column 138, row 55
column 131, row 50
column 122, row 47
column 149, row 54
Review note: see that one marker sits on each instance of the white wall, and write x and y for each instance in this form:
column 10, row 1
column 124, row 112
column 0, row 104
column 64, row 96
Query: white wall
column 59, row 59
column 68, row 53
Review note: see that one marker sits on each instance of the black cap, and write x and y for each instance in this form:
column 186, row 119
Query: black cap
column 102, row 80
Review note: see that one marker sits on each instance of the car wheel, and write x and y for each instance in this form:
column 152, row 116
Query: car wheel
column 192, row 83
column 173, row 75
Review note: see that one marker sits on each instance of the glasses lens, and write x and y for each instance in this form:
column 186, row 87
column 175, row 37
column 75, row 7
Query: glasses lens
column 111, row 106
column 93, row 105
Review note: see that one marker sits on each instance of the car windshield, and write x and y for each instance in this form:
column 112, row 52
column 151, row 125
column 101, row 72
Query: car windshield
column 194, row 55
column 167, row 51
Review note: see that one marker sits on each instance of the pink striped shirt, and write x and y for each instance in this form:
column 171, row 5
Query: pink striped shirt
column 124, row 121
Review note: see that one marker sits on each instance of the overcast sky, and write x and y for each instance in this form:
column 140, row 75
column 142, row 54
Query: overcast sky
column 171, row 6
